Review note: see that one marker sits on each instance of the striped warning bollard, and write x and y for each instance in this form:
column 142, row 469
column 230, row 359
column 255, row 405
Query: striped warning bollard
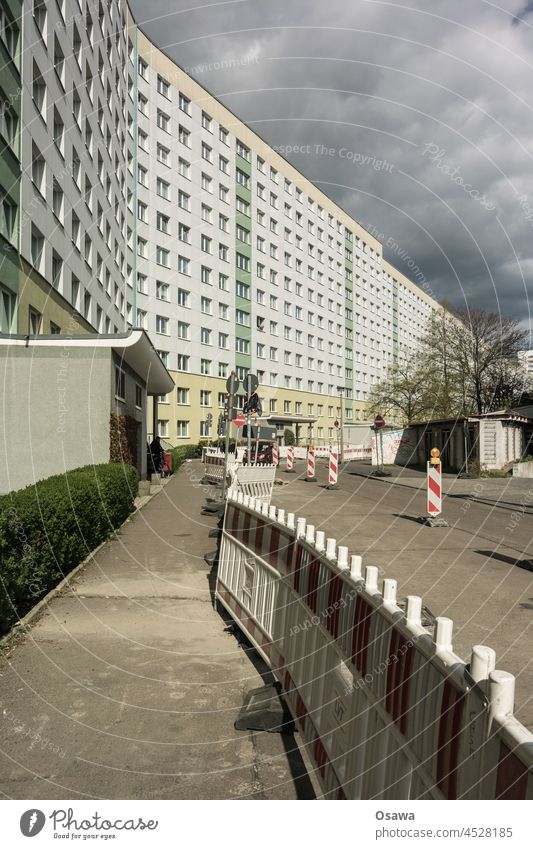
column 310, row 477
column 290, row 460
column 434, row 491
column 333, row 469
column 275, row 454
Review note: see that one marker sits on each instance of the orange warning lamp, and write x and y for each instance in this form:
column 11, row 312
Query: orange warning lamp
column 434, row 458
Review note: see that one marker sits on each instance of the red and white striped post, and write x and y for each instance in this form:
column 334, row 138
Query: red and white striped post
column 333, row 468
column 310, row 477
column 275, row 458
column 434, row 490
column 290, row 460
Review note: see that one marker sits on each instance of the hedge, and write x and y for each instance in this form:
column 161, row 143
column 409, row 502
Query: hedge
column 184, row 452
column 50, row 527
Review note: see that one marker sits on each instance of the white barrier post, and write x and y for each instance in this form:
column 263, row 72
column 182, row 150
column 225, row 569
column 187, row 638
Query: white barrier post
column 311, row 477
column 290, row 460
column 333, row 469
column 275, row 459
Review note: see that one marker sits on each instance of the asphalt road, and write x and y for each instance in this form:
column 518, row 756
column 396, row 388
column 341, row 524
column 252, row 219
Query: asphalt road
column 478, row 571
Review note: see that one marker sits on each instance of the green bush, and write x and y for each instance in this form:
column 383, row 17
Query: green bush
column 51, row 526
column 288, row 436
column 184, row 452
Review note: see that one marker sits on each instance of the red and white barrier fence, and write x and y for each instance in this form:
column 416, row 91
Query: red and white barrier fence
column 351, row 452
column 275, row 454
column 384, row 707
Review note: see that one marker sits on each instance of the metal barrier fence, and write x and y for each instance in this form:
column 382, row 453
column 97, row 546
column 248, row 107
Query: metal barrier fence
column 385, row 708
column 254, row 481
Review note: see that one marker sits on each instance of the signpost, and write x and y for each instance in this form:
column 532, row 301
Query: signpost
column 232, row 385
column 379, row 424
column 250, row 384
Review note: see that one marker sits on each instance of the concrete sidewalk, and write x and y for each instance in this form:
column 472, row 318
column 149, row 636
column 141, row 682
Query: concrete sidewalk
column 508, row 492
column 129, row 683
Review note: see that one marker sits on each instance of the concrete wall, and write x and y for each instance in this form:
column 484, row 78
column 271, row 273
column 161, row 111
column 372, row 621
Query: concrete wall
column 55, row 413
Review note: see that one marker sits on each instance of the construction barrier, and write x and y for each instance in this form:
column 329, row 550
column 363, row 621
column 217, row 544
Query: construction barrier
column 290, row 459
column 310, row 476
column 385, row 708
column 434, row 489
column 214, row 465
column 333, row 470
column 351, row 452
column 254, row 481
column 275, row 454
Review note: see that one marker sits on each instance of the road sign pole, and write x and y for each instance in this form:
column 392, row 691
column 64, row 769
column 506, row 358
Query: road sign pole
column 249, row 432
column 226, row 452
column 381, row 449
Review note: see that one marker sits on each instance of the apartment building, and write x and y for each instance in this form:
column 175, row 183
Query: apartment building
column 146, row 202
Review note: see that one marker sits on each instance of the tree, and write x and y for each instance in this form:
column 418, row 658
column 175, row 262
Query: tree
column 288, row 436
column 407, row 388
column 476, row 352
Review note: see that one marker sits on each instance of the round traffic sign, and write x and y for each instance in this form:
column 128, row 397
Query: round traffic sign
column 250, row 383
column 232, row 383
column 239, row 420
column 379, row 422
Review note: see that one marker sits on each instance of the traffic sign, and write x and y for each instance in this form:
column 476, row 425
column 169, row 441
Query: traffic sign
column 232, row 383
column 379, row 422
column 239, row 420
column 250, row 383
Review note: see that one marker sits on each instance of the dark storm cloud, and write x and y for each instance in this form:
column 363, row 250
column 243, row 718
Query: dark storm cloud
column 439, row 93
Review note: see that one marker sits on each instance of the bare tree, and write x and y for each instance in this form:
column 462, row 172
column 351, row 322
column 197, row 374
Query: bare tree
column 481, row 351
column 406, row 388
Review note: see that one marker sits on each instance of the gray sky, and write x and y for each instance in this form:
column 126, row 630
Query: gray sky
column 414, row 116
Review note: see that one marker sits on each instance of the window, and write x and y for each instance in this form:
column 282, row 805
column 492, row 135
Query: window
column 183, row 330
column 59, row 61
column 243, row 290
column 207, row 183
column 243, row 235
column 207, row 152
column 205, row 305
column 207, row 214
column 161, row 324
column 242, row 317
column 57, row 270
column 163, row 87
column 34, row 321
column 183, row 362
column 223, row 222
column 183, row 265
column 223, row 282
column 142, row 174
column 205, row 244
column 183, row 200
column 182, row 429
column 223, row 252
column 184, row 136
column 37, row 247
column 163, row 188
column 223, row 135
column 242, row 206
column 161, row 291
column 205, row 398
column 120, row 384
column 163, row 223
column 205, row 275
column 183, row 298
column 242, row 178
column 242, row 150
column 223, row 164
column 162, row 256
column 223, row 340
column 39, row 16
column 184, row 103
column 163, row 154
column 242, row 262
column 182, row 395
column 184, row 233
column 205, row 366
column 207, row 122
column 162, row 427
column 8, row 212
column 39, row 90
